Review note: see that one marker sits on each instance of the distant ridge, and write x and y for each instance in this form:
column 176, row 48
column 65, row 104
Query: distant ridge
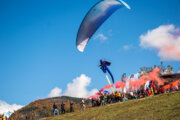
column 44, row 108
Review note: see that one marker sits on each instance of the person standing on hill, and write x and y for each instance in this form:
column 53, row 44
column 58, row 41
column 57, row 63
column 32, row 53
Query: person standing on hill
column 71, row 107
column 108, row 99
column 102, row 99
column 119, row 96
column 171, row 87
column 55, row 110
column 116, row 96
column 63, row 108
column 83, row 106
column 105, row 98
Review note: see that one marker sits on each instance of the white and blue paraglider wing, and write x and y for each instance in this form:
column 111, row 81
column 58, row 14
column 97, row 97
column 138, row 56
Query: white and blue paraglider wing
column 94, row 19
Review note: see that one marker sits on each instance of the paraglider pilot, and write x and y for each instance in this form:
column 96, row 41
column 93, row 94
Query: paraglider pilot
column 104, row 67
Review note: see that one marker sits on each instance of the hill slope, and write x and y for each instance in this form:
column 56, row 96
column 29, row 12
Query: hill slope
column 160, row 107
column 43, row 108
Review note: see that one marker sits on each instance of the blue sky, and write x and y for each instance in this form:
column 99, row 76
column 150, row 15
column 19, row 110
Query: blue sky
column 38, row 51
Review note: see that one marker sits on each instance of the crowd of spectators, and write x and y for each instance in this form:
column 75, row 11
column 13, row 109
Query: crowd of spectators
column 62, row 110
column 117, row 96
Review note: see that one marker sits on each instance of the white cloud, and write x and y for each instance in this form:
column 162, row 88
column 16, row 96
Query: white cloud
column 55, row 92
column 101, row 37
column 78, row 88
column 165, row 40
column 127, row 47
column 5, row 107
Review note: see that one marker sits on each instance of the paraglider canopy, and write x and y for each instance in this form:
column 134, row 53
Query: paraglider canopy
column 96, row 16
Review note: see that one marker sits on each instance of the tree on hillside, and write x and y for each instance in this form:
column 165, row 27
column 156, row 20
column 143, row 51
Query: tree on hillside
column 146, row 69
column 165, row 69
column 161, row 66
column 123, row 76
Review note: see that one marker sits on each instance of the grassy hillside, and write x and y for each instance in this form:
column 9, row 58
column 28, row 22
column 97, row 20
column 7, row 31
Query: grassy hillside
column 43, row 108
column 160, row 107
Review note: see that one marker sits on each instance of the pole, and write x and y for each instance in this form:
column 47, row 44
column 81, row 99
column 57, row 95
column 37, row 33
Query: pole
column 109, row 83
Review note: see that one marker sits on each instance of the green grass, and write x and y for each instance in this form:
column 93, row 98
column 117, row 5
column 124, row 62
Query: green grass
column 160, row 107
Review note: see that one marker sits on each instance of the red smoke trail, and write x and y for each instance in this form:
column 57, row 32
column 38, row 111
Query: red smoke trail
column 135, row 84
column 108, row 86
column 120, row 84
column 154, row 75
column 93, row 97
column 102, row 89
